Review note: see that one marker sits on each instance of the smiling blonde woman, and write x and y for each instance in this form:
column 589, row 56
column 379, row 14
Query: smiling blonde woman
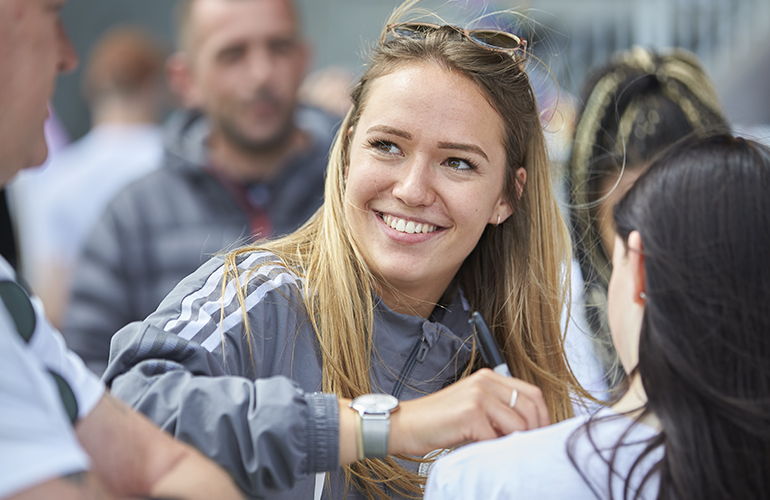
column 438, row 203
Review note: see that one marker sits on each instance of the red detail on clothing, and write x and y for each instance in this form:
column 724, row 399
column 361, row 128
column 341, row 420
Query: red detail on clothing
column 259, row 222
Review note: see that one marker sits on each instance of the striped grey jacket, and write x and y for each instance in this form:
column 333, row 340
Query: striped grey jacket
column 250, row 402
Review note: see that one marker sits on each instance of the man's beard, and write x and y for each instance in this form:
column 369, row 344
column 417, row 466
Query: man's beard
column 233, row 134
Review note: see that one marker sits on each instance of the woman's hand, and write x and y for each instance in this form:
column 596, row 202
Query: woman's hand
column 474, row 409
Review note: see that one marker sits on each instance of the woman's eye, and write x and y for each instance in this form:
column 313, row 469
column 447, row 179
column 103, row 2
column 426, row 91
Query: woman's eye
column 386, row 147
column 460, row 164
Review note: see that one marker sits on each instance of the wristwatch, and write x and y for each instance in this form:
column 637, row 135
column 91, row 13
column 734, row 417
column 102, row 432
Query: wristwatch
column 375, row 410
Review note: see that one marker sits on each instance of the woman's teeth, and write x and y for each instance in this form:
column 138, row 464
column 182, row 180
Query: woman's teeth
column 404, row 226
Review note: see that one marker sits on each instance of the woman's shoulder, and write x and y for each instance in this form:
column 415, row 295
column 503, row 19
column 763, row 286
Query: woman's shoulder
column 523, row 465
column 534, row 464
column 249, row 280
column 250, row 268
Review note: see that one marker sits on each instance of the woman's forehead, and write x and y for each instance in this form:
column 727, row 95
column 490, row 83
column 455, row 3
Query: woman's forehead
column 426, row 99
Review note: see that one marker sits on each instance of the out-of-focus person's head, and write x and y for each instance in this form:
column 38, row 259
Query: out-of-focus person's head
column 241, row 62
column 125, row 65
column 703, row 215
column 633, row 108
column 328, row 89
column 34, row 49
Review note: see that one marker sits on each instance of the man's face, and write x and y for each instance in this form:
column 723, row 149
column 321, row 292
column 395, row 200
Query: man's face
column 34, row 48
column 246, row 62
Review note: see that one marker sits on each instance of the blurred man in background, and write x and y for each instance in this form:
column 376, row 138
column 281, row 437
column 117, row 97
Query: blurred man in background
column 243, row 160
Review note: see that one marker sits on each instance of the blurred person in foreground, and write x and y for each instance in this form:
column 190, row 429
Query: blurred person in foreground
column 123, row 86
column 243, row 160
column 640, row 103
column 689, row 318
column 61, row 435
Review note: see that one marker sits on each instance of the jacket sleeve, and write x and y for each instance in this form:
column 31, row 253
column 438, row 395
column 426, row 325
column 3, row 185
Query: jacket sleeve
column 225, row 393
column 267, row 432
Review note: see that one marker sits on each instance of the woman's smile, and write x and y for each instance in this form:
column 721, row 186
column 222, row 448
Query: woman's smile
column 407, row 226
column 425, row 178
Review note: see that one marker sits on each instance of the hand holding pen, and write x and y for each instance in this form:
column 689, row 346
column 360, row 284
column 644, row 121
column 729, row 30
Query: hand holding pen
column 490, row 351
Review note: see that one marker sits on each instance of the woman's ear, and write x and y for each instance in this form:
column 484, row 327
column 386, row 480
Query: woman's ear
column 521, row 175
column 503, row 210
column 636, row 260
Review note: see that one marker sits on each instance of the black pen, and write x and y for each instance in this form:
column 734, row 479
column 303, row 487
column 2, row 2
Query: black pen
column 490, row 351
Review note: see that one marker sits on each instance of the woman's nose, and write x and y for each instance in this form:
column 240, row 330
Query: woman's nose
column 415, row 184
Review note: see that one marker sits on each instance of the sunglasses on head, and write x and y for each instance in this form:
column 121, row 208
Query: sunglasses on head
column 499, row 41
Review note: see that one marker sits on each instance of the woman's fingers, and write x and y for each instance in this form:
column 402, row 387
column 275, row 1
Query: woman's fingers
column 530, row 404
column 474, row 409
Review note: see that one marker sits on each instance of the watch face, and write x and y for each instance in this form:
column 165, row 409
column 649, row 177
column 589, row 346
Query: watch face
column 375, row 403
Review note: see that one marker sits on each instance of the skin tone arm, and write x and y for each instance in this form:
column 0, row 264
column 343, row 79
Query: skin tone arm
column 78, row 486
column 131, row 456
column 473, row 409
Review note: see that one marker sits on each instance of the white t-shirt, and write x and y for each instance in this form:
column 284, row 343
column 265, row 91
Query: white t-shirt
column 535, row 464
column 37, row 441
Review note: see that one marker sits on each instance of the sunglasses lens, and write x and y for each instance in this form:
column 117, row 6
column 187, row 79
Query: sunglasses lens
column 412, row 30
column 495, row 39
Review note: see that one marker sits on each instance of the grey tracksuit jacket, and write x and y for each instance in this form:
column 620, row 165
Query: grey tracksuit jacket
column 251, row 402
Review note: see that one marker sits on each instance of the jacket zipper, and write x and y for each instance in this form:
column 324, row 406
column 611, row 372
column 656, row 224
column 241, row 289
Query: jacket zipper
column 418, row 353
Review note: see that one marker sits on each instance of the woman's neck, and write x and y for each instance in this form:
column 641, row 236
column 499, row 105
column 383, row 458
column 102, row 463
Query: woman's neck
column 633, row 401
column 406, row 303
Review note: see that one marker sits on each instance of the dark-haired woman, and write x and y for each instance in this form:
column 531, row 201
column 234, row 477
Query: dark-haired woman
column 689, row 318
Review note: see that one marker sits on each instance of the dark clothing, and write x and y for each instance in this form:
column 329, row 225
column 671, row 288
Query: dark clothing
column 164, row 226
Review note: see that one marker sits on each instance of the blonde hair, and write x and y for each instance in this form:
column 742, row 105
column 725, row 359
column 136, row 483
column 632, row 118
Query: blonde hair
column 517, row 281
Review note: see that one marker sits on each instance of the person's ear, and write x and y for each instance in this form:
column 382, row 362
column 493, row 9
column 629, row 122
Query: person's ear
column 181, row 81
column 636, row 260
column 521, row 176
column 503, row 210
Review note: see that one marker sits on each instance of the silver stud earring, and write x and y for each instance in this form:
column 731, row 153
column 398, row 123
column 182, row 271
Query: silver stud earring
column 642, row 295
column 498, row 220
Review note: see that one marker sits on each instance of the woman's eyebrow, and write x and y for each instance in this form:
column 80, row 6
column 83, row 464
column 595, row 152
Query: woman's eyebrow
column 471, row 148
column 389, row 130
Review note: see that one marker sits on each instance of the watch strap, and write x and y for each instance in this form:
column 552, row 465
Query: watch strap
column 375, row 429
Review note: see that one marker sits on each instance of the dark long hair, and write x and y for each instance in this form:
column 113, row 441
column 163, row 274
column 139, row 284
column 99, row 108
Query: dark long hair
column 637, row 105
column 703, row 212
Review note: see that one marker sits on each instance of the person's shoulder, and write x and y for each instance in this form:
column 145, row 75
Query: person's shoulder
column 149, row 189
column 522, row 463
column 253, row 268
column 262, row 266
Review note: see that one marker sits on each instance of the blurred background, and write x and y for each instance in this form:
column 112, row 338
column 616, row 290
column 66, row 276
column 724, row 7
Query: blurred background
column 731, row 37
